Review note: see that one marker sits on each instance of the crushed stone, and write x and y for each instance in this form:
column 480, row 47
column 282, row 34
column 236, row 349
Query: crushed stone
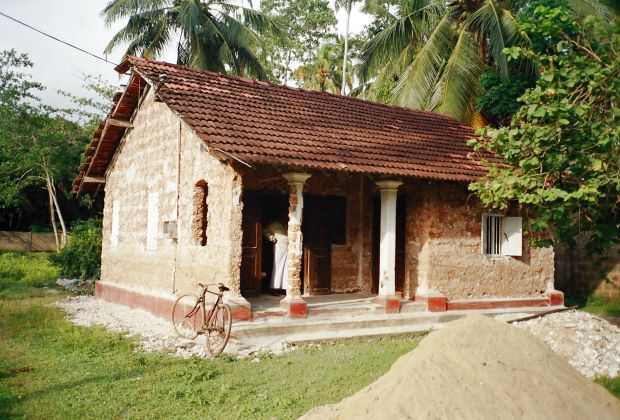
column 588, row 342
column 153, row 333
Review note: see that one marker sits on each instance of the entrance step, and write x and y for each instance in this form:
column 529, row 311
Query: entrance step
column 283, row 329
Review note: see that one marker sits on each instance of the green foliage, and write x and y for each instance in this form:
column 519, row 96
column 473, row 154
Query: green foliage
column 219, row 36
column 324, row 73
column 563, row 144
column 305, row 24
column 498, row 101
column 101, row 377
column 21, row 272
column 611, row 384
column 596, row 305
column 81, row 257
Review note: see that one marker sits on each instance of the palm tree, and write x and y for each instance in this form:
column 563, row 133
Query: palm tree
column 436, row 51
column 323, row 74
column 347, row 4
column 215, row 35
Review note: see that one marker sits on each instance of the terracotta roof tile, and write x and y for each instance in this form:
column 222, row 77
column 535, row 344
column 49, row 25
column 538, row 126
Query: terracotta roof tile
column 258, row 122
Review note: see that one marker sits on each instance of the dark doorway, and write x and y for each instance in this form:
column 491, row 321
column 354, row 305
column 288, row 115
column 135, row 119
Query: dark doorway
column 273, row 207
column 324, row 224
column 259, row 210
column 401, row 212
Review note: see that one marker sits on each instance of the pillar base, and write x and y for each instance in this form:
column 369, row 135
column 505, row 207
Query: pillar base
column 241, row 309
column 435, row 302
column 391, row 303
column 295, row 305
column 556, row 298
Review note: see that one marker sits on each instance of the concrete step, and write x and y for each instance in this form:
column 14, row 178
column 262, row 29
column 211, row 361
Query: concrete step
column 333, row 324
column 342, row 327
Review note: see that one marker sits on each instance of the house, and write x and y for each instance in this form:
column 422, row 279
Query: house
column 194, row 164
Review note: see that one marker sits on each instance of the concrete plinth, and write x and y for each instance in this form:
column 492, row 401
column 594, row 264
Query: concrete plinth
column 295, row 305
column 391, row 304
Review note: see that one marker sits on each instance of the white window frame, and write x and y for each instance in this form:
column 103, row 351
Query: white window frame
column 501, row 236
column 114, row 233
column 152, row 221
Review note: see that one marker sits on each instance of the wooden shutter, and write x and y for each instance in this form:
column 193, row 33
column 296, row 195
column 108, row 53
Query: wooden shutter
column 512, row 236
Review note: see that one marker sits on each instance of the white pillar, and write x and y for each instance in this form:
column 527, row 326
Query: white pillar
column 387, row 253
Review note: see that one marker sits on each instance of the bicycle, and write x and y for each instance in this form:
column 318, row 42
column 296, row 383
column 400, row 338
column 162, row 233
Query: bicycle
column 190, row 318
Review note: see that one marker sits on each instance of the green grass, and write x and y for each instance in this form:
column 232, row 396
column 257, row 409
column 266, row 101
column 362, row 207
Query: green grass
column 612, row 384
column 21, row 273
column 53, row 369
column 596, row 305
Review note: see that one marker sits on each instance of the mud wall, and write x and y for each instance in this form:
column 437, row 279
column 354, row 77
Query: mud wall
column 162, row 155
column 444, row 251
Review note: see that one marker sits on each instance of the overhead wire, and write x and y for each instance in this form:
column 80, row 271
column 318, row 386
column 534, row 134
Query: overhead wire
column 57, row 39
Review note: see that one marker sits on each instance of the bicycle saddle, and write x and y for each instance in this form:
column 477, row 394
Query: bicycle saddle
column 222, row 287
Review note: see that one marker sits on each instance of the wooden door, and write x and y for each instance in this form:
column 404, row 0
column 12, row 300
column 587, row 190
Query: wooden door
column 251, row 255
column 317, row 245
column 399, row 264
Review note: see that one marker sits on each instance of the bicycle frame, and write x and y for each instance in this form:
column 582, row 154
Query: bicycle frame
column 202, row 302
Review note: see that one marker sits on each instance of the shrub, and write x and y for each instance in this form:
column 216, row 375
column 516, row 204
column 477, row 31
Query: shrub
column 26, row 269
column 81, row 257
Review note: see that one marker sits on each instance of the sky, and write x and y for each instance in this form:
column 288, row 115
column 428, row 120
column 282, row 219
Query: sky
column 59, row 67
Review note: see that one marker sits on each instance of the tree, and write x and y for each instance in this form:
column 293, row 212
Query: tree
column 347, row 4
column 305, row 24
column 214, row 35
column 324, row 73
column 560, row 152
column 440, row 49
column 38, row 146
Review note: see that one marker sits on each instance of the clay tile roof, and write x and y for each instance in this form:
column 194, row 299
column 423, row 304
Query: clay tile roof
column 261, row 123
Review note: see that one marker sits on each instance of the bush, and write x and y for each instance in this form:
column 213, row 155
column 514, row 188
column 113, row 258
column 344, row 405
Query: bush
column 81, row 257
column 26, row 269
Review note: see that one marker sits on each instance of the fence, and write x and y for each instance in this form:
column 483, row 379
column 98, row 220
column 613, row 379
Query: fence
column 576, row 274
column 27, row 242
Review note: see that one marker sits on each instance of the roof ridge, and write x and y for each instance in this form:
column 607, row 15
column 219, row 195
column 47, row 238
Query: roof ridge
column 298, row 89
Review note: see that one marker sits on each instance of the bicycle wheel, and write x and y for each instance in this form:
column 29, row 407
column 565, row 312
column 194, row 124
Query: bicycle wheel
column 219, row 330
column 187, row 316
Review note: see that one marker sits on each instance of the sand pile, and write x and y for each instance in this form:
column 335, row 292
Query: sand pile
column 478, row 368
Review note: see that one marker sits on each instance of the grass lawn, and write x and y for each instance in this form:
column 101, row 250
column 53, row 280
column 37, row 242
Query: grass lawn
column 51, row 368
column 595, row 305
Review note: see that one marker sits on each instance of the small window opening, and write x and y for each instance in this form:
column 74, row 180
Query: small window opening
column 201, row 210
column 502, row 235
column 492, row 235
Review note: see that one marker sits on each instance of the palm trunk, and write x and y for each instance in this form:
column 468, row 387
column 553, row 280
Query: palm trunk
column 54, row 207
column 346, row 49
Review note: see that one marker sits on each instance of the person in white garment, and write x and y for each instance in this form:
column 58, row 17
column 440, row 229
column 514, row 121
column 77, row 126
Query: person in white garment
column 278, row 234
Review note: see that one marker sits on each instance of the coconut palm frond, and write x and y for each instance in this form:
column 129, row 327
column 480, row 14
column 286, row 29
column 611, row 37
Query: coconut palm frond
column 497, row 27
column 139, row 31
column 458, row 86
column 119, row 9
column 592, row 7
column 416, row 85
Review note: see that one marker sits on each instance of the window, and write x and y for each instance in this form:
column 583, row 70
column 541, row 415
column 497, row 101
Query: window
column 201, row 211
column 116, row 208
column 501, row 235
column 151, row 221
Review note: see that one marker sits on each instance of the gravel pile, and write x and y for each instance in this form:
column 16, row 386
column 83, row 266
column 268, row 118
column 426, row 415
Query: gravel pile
column 589, row 343
column 152, row 333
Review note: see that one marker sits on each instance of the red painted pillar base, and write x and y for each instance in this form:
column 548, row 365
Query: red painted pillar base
column 296, row 306
column 556, row 298
column 241, row 309
column 391, row 304
column 435, row 302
